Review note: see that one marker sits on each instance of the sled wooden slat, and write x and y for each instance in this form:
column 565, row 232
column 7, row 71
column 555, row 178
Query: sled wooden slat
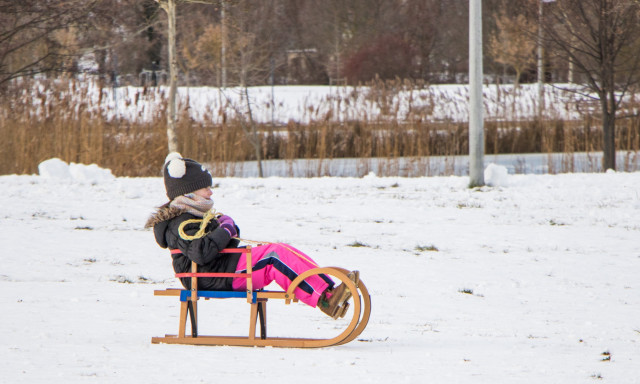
column 361, row 304
column 167, row 292
column 240, row 341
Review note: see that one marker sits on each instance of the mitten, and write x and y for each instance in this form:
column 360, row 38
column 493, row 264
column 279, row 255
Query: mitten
column 228, row 224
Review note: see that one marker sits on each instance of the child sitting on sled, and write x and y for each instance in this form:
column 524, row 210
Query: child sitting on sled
column 189, row 227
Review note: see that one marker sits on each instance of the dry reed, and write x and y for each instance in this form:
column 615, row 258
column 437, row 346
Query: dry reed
column 60, row 119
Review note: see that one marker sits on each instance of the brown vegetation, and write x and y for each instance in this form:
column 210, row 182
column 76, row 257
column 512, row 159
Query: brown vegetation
column 34, row 130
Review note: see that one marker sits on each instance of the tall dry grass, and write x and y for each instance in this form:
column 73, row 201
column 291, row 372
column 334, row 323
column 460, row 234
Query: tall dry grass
column 61, row 119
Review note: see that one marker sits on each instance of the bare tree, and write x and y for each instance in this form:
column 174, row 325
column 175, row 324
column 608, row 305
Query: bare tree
column 244, row 59
column 417, row 21
column 512, row 45
column 449, row 57
column 201, row 51
column 247, row 62
column 39, row 36
column 600, row 39
column 124, row 36
column 169, row 6
column 339, row 28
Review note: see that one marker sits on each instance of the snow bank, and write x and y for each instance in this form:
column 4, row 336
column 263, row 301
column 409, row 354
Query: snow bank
column 496, row 175
column 57, row 169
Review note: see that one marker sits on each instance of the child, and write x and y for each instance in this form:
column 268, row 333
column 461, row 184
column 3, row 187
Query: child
column 187, row 227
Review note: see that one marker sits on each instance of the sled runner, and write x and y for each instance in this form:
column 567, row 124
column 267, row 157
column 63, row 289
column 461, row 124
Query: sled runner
column 257, row 300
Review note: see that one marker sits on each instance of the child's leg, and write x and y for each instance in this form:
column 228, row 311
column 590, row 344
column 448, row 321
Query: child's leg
column 282, row 263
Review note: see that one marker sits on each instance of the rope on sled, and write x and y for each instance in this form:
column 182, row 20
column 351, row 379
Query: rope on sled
column 210, row 215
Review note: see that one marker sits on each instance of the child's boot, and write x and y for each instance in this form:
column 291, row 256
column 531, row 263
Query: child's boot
column 325, row 306
column 334, row 302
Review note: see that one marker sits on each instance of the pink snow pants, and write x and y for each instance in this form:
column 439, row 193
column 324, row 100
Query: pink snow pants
column 282, row 263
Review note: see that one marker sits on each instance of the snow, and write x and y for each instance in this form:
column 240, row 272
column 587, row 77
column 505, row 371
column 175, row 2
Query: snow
column 283, row 104
column 496, row 175
column 58, row 169
column 533, row 280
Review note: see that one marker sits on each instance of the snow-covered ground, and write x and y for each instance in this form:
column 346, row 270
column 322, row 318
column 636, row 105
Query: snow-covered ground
column 533, row 280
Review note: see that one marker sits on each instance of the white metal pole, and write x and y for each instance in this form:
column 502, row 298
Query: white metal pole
column 476, row 128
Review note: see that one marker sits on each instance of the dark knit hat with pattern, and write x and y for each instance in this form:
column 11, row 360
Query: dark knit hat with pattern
column 182, row 176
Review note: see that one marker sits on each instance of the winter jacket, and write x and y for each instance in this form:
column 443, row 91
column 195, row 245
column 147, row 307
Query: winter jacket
column 204, row 251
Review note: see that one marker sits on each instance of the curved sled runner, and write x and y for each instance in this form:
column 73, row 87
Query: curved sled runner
column 360, row 302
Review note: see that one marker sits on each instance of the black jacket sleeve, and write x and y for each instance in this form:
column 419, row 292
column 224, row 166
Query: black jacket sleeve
column 206, row 249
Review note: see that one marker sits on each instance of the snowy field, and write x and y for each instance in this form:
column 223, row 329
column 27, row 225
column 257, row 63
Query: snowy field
column 532, row 280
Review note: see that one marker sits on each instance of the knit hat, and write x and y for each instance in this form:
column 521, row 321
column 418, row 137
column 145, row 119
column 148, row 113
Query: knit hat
column 182, row 176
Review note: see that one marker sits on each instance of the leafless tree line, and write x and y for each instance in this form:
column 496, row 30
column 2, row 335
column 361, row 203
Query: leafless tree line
column 290, row 41
column 229, row 42
column 241, row 42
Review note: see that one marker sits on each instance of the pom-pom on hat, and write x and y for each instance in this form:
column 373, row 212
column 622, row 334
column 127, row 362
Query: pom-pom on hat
column 182, row 176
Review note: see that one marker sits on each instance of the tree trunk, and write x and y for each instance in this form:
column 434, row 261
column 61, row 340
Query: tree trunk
column 608, row 132
column 258, row 149
column 170, row 7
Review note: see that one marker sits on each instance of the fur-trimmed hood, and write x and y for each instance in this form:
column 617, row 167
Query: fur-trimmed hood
column 159, row 221
column 164, row 213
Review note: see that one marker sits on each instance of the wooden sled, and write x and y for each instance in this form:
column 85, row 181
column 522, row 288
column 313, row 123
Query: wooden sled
column 360, row 302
